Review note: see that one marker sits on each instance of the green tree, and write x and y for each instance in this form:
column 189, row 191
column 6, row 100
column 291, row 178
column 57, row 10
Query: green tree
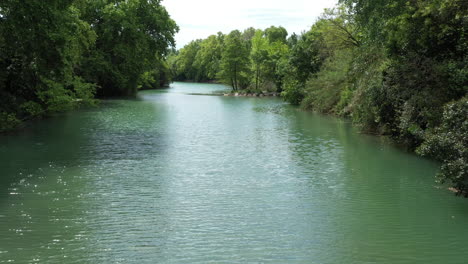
column 208, row 58
column 247, row 36
column 305, row 56
column 278, row 52
column 235, row 61
column 271, row 59
column 159, row 76
column 132, row 34
column 275, row 34
column 426, row 65
column 186, row 67
column 259, row 56
column 448, row 143
column 41, row 45
column 319, row 63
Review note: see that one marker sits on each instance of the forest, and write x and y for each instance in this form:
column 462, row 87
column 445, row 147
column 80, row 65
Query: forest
column 61, row 54
column 395, row 68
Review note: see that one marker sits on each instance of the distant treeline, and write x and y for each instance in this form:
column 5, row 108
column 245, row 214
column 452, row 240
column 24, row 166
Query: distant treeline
column 59, row 54
column 396, row 68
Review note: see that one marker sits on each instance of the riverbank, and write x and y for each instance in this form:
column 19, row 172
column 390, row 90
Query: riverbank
column 193, row 81
column 440, row 145
column 252, row 94
column 181, row 178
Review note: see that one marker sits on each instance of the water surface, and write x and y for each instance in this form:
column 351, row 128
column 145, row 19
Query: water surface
column 174, row 177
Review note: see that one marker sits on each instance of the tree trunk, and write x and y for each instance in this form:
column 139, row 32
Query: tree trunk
column 232, row 84
column 235, row 75
column 256, row 78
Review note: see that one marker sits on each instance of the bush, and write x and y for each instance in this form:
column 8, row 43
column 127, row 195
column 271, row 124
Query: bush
column 31, row 109
column 8, row 121
column 323, row 92
column 448, row 143
column 293, row 92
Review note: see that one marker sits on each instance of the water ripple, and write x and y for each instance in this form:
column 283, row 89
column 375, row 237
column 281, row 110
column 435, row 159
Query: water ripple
column 180, row 178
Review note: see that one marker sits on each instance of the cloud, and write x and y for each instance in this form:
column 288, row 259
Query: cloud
column 201, row 18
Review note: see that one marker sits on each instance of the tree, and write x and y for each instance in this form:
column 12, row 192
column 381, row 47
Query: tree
column 277, row 52
column 275, row 34
column 258, row 55
column 208, row 57
column 41, row 45
column 186, row 67
column 235, row 61
column 277, row 61
column 54, row 54
column 321, row 62
column 132, row 34
column 425, row 46
column 448, row 143
column 159, row 76
column 306, row 56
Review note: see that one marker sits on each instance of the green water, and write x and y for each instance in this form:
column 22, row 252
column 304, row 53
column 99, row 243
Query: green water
column 173, row 177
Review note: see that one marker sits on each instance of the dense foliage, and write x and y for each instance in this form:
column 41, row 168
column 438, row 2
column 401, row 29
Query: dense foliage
column 397, row 68
column 390, row 66
column 449, row 143
column 56, row 55
column 252, row 59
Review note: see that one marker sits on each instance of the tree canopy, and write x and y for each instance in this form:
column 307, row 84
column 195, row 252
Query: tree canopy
column 59, row 54
column 393, row 67
column 396, row 68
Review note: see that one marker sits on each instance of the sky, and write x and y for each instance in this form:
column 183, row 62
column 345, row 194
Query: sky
column 198, row 19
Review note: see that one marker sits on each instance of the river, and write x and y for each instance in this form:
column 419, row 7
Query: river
column 175, row 176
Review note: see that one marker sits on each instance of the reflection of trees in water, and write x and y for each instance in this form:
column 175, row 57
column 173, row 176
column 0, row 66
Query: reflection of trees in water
column 316, row 148
column 55, row 141
column 40, row 188
column 379, row 188
column 57, row 177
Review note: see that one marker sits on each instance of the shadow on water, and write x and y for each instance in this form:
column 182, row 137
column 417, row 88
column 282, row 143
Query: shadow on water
column 172, row 177
column 377, row 194
column 57, row 172
column 52, row 142
column 40, row 166
column 128, row 144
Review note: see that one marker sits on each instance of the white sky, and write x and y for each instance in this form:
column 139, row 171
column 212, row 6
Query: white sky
column 198, row 19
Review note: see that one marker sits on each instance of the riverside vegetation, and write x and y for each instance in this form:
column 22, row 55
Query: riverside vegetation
column 396, row 68
column 59, row 54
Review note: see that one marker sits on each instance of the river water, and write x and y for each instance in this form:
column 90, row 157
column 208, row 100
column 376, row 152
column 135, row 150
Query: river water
column 179, row 177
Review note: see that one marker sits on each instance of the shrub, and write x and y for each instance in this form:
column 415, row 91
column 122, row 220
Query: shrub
column 293, row 92
column 448, row 143
column 323, row 92
column 8, row 121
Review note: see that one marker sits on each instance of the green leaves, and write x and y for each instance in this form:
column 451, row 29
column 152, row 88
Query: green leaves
column 54, row 54
column 132, row 36
column 423, row 69
column 249, row 59
column 208, row 58
column 449, row 143
column 234, row 65
column 187, row 69
column 42, row 46
column 8, row 121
